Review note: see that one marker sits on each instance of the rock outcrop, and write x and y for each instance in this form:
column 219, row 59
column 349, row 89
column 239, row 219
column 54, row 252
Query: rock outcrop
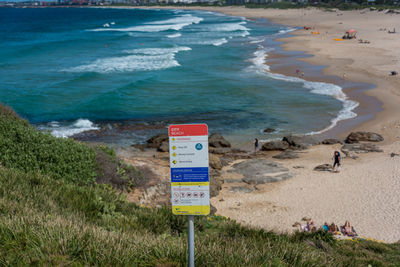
column 217, row 140
column 261, row 171
column 356, row 137
column 157, row 140
column 275, row 145
column 269, row 130
column 215, row 162
column 300, row 142
column 360, row 148
column 164, row 147
column 331, row 141
column 160, row 142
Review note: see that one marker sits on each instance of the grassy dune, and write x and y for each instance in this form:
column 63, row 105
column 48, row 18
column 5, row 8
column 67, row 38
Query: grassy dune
column 52, row 212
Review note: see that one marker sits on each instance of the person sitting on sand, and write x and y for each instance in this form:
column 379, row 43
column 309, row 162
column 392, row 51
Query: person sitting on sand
column 325, row 227
column 337, row 158
column 312, row 227
column 301, row 227
column 347, row 229
column 333, row 228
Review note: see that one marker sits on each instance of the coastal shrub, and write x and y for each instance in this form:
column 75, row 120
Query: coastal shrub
column 24, row 148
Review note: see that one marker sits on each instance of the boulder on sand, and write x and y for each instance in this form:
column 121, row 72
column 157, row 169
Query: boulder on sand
column 217, row 140
column 275, row 145
column 300, row 142
column 331, row 141
column 323, row 167
column 356, row 137
column 360, row 148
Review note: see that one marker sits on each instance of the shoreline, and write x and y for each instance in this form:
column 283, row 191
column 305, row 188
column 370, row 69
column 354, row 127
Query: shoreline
column 377, row 120
column 331, row 130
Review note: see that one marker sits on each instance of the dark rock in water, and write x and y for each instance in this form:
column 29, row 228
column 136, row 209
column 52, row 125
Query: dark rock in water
column 360, row 148
column 269, row 130
column 241, row 189
column 331, row 141
column 261, row 171
column 356, row 137
column 300, row 142
column 323, row 167
column 157, row 140
column 164, row 147
column 275, row 145
column 217, row 140
column 288, row 154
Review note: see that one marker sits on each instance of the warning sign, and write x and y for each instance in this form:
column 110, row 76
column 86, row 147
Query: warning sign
column 190, row 181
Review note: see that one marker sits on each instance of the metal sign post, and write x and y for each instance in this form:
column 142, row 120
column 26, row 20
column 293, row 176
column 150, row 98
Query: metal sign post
column 191, row 241
column 190, row 182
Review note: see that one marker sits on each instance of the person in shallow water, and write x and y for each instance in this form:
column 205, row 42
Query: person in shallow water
column 255, row 145
column 336, row 163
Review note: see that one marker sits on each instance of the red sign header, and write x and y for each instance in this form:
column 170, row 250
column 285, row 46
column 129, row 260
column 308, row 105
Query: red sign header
column 188, row 130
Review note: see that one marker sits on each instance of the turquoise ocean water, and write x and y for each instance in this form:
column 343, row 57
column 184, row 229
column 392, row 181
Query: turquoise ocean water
column 68, row 70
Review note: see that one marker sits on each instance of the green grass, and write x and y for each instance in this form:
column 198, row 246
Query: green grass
column 51, row 218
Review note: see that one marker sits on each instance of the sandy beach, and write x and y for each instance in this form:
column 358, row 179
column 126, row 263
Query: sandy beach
column 365, row 192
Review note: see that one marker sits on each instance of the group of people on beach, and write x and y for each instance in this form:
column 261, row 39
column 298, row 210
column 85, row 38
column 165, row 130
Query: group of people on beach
column 310, row 226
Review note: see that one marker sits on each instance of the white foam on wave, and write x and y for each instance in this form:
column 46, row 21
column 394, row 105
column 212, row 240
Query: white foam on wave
column 230, row 27
column 158, row 51
column 64, row 131
column 175, row 24
column 144, row 28
column 184, row 19
column 286, row 30
column 175, row 35
column 256, row 40
column 128, row 64
column 260, row 67
column 216, row 42
column 144, row 59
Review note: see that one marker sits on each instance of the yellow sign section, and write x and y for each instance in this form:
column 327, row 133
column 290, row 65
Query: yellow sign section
column 190, row 183
column 192, row 210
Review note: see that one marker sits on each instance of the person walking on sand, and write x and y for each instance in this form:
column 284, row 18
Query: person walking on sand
column 337, row 159
column 255, row 145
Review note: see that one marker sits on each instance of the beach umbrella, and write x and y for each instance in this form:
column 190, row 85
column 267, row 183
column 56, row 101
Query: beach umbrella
column 351, row 31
